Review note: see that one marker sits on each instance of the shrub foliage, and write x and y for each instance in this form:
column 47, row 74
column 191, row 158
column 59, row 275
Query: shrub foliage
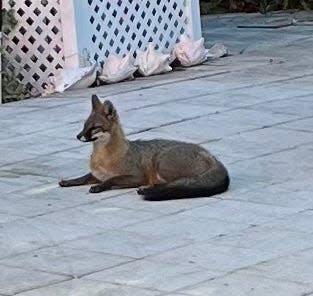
column 263, row 6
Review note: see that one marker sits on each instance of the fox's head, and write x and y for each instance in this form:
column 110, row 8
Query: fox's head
column 100, row 124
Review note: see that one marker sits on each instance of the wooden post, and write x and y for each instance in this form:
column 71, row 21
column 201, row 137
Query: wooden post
column 194, row 21
column 70, row 47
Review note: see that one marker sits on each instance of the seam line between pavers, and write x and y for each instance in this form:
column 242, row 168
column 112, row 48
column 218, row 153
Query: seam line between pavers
column 271, row 153
column 75, row 206
column 42, row 286
column 294, row 129
column 73, row 276
column 243, row 269
column 68, row 276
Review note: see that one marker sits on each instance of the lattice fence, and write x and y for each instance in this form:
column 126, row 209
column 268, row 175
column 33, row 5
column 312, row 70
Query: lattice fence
column 125, row 26
column 35, row 47
column 57, row 33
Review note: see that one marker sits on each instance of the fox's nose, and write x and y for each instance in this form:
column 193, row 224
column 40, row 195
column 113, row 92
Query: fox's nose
column 81, row 137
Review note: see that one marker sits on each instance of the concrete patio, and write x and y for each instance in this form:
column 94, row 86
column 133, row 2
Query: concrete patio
column 254, row 110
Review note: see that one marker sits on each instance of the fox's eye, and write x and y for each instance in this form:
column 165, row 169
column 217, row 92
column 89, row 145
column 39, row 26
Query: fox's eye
column 96, row 129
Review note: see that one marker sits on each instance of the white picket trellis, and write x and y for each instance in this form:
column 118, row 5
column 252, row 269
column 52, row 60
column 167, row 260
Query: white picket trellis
column 52, row 34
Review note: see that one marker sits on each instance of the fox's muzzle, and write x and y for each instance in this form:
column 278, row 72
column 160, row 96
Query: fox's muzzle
column 82, row 137
column 86, row 136
column 90, row 135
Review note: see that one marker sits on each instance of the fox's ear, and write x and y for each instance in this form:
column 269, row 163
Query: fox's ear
column 95, row 102
column 109, row 109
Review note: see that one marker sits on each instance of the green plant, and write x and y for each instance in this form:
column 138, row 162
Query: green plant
column 266, row 6
column 12, row 89
column 210, row 6
column 9, row 21
column 305, row 4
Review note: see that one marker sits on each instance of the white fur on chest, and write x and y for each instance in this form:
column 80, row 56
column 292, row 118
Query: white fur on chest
column 102, row 174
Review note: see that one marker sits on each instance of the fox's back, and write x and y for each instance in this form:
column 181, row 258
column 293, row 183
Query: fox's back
column 149, row 148
column 149, row 152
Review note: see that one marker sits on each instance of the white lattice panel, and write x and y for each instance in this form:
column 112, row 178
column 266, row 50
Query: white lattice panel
column 35, row 47
column 52, row 34
column 121, row 26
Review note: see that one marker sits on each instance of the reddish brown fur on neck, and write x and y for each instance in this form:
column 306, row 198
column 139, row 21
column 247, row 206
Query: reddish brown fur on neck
column 106, row 159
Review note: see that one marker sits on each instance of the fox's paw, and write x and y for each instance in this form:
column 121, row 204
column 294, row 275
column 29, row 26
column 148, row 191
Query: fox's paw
column 95, row 189
column 64, row 183
column 141, row 190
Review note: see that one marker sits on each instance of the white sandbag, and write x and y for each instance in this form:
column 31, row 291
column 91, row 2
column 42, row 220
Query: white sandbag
column 190, row 52
column 152, row 62
column 70, row 79
column 85, row 78
column 218, row 50
column 117, row 69
column 49, row 88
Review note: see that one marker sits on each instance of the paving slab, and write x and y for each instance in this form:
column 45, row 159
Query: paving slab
column 154, row 275
column 133, row 201
column 14, row 280
column 48, row 166
column 13, row 182
column 174, row 294
column 305, row 125
column 257, row 143
column 268, row 238
column 6, row 218
column 291, row 107
column 296, row 267
column 239, row 212
column 216, row 126
column 83, row 287
column 65, row 261
column 100, row 215
column 28, row 234
column 212, row 256
column 270, row 169
column 190, row 229
column 120, row 242
column 279, row 194
column 250, row 284
column 300, row 222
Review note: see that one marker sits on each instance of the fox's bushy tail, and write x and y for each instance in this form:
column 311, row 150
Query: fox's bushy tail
column 202, row 186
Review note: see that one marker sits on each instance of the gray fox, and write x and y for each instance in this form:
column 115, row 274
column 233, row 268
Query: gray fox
column 162, row 169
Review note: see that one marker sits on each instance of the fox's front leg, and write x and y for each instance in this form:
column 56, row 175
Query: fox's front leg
column 118, row 182
column 84, row 180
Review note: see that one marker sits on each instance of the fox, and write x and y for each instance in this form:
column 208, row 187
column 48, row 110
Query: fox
column 161, row 169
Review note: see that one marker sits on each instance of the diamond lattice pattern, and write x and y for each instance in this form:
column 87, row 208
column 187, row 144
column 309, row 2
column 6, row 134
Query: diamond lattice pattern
column 35, row 47
column 118, row 27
